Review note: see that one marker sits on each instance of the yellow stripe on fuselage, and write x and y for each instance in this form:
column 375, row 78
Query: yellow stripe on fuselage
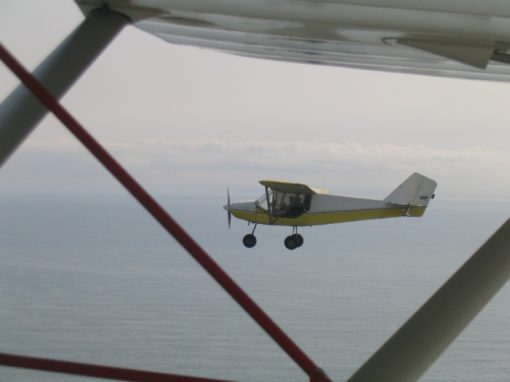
column 318, row 218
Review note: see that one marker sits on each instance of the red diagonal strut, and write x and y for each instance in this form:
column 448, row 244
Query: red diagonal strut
column 171, row 226
column 95, row 371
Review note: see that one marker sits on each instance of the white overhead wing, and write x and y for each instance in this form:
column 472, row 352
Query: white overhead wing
column 290, row 187
column 437, row 37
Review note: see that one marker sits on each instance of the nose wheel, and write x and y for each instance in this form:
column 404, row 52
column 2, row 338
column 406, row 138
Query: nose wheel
column 249, row 240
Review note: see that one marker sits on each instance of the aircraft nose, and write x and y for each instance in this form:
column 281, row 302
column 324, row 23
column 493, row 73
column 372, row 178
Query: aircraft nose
column 241, row 206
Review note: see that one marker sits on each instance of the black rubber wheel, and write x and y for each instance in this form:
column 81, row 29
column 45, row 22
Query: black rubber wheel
column 299, row 239
column 249, row 240
column 290, row 242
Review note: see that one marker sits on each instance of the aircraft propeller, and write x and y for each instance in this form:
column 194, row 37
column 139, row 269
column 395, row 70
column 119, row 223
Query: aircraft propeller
column 229, row 214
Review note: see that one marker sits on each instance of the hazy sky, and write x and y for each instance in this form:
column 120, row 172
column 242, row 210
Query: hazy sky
column 184, row 120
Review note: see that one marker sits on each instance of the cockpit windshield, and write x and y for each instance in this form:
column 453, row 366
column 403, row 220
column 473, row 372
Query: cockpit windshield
column 285, row 204
column 262, row 201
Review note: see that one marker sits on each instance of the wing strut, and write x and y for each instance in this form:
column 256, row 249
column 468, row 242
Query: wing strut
column 418, row 343
column 21, row 111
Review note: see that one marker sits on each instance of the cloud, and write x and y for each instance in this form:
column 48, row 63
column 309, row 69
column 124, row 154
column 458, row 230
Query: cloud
column 210, row 165
column 306, row 155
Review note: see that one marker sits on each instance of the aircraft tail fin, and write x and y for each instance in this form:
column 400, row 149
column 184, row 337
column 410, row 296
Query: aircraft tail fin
column 415, row 191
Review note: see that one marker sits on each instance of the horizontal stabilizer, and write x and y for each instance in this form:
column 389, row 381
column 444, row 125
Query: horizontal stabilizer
column 417, row 190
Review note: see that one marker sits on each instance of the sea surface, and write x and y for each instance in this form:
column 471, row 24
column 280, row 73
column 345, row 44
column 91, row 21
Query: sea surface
column 95, row 279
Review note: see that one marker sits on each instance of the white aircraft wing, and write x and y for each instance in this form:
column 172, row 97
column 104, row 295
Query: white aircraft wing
column 467, row 39
column 290, row 187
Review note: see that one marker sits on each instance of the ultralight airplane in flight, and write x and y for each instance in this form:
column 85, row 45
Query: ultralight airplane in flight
column 297, row 205
column 450, row 38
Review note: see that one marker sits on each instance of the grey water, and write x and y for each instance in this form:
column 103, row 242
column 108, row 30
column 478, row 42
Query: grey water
column 95, row 279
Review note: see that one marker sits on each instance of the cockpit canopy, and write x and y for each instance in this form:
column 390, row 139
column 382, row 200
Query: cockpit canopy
column 285, row 204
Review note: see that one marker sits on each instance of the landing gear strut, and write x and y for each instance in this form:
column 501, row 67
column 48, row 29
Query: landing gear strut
column 293, row 241
column 250, row 240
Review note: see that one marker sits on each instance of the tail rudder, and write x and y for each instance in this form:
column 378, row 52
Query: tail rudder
column 415, row 191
